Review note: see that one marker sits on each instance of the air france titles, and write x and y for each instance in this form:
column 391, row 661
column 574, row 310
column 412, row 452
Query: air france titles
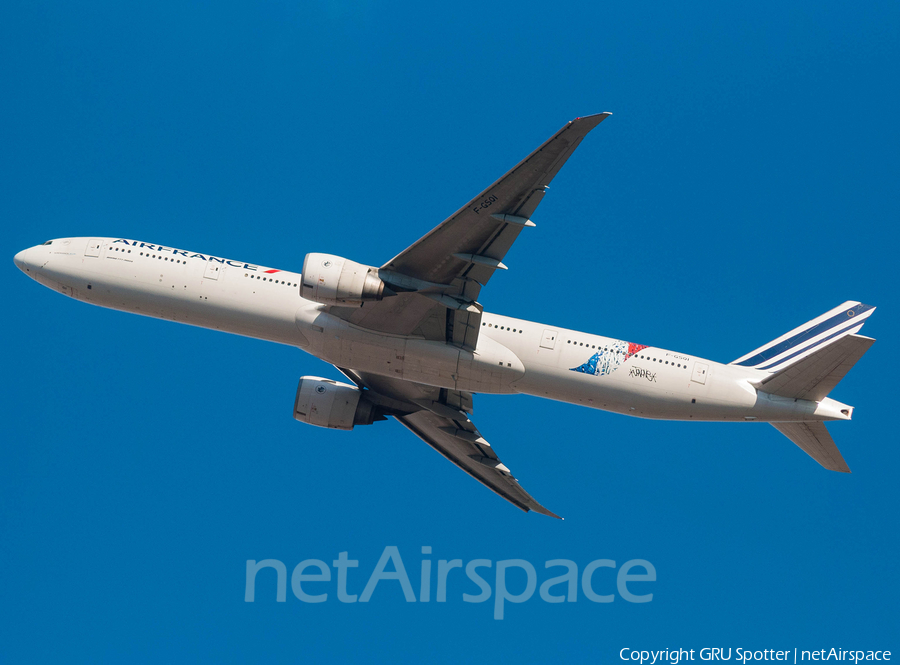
column 180, row 252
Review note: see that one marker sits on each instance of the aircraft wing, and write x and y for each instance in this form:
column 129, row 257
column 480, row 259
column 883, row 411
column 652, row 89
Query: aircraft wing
column 488, row 225
column 450, row 264
column 440, row 417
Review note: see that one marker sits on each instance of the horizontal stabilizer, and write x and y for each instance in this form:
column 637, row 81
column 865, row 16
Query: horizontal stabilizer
column 815, row 441
column 817, row 374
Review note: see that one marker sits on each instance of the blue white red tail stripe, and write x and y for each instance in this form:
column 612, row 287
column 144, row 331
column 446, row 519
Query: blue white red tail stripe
column 846, row 319
column 849, row 330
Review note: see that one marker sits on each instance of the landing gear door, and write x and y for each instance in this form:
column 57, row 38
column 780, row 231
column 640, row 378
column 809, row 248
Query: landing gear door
column 700, row 372
column 548, row 340
column 93, row 247
column 212, row 270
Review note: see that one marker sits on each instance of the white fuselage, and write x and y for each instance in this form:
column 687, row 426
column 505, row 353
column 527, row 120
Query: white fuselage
column 512, row 355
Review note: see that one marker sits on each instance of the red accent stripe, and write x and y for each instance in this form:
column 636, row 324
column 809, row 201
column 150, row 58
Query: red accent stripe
column 634, row 348
column 269, row 272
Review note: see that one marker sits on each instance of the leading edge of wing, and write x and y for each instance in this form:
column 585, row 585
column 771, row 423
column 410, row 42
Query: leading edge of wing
column 489, row 471
column 516, row 193
column 440, row 418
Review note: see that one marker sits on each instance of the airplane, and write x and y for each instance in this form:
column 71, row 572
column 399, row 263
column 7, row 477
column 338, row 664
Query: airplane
column 416, row 345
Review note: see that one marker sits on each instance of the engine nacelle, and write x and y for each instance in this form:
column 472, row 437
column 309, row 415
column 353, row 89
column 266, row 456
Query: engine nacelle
column 326, row 403
column 332, row 280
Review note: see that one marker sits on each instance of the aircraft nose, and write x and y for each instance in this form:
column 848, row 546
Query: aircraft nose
column 21, row 260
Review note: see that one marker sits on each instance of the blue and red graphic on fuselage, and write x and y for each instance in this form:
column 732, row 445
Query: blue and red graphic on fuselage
column 609, row 358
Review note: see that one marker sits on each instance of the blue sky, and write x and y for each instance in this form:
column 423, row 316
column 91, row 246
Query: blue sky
column 747, row 182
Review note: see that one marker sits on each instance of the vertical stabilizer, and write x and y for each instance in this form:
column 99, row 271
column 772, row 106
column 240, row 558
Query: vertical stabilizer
column 846, row 319
column 818, row 373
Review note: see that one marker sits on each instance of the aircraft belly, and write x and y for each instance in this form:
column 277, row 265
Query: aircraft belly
column 431, row 363
column 606, row 393
column 725, row 395
column 491, row 368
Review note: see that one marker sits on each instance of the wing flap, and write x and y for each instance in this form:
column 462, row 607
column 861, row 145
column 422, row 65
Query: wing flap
column 478, row 459
column 458, row 257
column 440, row 417
column 478, row 228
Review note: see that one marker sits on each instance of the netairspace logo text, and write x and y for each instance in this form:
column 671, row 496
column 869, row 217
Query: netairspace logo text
column 598, row 579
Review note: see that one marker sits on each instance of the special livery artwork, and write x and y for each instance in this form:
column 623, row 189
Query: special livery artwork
column 607, row 360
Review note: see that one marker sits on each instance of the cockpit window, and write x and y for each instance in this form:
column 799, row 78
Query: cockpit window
column 49, row 242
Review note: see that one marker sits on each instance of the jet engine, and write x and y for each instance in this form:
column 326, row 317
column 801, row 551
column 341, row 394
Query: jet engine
column 332, row 280
column 327, row 403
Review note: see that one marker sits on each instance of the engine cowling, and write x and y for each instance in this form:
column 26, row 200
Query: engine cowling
column 326, row 403
column 333, row 280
